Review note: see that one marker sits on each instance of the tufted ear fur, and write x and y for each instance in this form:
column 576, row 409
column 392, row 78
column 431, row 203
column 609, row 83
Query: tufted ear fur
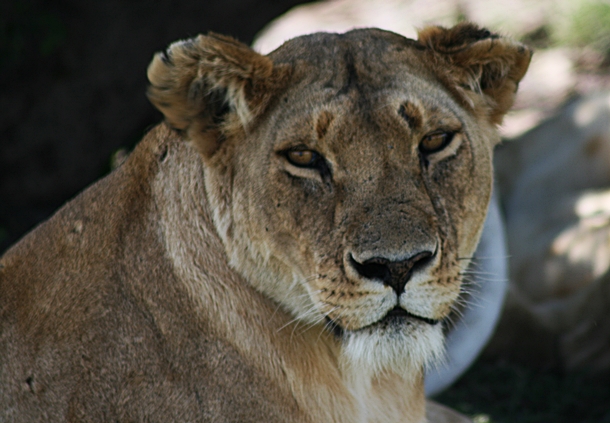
column 198, row 83
column 482, row 68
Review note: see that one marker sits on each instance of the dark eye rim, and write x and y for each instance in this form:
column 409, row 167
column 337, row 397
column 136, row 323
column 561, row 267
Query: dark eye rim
column 450, row 135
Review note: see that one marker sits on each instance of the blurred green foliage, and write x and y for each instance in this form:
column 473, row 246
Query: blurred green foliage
column 587, row 24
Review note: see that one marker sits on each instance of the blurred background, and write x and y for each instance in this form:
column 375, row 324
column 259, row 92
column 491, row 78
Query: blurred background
column 73, row 83
column 73, row 104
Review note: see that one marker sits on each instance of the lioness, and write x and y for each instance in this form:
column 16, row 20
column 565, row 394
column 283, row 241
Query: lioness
column 293, row 262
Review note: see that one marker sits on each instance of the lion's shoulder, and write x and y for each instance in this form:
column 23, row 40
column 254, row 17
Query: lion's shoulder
column 93, row 311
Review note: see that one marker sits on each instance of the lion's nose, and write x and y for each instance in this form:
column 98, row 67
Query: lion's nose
column 395, row 274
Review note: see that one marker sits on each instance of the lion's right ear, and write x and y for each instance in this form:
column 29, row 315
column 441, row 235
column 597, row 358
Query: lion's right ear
column 198, row 82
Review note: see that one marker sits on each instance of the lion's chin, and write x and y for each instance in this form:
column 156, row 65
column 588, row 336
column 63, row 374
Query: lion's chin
column 400, row 345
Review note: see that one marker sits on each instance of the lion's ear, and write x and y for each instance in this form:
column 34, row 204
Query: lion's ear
column 198, row 82
column 477, row 65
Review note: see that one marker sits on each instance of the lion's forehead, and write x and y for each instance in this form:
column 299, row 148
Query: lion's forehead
column 362, row 60
column 363, row 99
column 328, row 50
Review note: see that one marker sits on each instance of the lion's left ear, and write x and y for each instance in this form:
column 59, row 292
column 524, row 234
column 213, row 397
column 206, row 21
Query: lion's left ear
column 203, row 84
column 477, row 65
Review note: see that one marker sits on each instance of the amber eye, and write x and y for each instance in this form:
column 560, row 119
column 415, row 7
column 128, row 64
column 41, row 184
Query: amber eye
column 302, row 158
column 435, row 142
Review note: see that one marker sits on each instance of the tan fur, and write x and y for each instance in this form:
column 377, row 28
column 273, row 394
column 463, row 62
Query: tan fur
column 232, row 285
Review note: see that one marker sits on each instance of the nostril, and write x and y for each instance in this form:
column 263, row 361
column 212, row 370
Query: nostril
column 375, row 268
column 421, row 260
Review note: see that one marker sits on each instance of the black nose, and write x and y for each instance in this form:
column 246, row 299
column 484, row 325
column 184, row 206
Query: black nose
column 395, row 274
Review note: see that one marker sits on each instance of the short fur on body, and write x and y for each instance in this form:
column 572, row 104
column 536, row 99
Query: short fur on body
column 292, row 262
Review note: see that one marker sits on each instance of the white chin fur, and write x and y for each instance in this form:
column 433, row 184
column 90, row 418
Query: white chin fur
column 404, row 349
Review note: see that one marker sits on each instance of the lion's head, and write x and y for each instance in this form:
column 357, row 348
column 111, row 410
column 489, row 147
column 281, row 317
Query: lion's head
column 349, row 174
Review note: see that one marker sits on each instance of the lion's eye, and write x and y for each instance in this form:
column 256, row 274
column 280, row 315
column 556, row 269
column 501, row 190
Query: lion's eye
column 302, row 158
column 436, row 141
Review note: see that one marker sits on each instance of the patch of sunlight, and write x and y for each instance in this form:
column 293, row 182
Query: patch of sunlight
column 481, row 418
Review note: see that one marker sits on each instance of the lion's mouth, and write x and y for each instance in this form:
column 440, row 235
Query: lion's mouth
column 399, row 312
column 396, row 315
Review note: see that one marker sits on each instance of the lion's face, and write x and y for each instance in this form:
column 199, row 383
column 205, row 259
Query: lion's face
column 353, row 192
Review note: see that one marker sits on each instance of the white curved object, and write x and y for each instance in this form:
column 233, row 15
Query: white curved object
column 489, row 282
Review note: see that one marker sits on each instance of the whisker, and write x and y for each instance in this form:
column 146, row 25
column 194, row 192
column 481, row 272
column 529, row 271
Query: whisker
column 299, row 318
column 319, row 320
column 479, row 258
column 480, row 279
column 477, row 272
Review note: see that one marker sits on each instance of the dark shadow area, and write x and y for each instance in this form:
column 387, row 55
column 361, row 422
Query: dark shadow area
column 498, row 391
column 72, row 88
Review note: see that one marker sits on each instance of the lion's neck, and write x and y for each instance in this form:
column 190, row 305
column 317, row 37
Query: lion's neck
column 386, row 398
